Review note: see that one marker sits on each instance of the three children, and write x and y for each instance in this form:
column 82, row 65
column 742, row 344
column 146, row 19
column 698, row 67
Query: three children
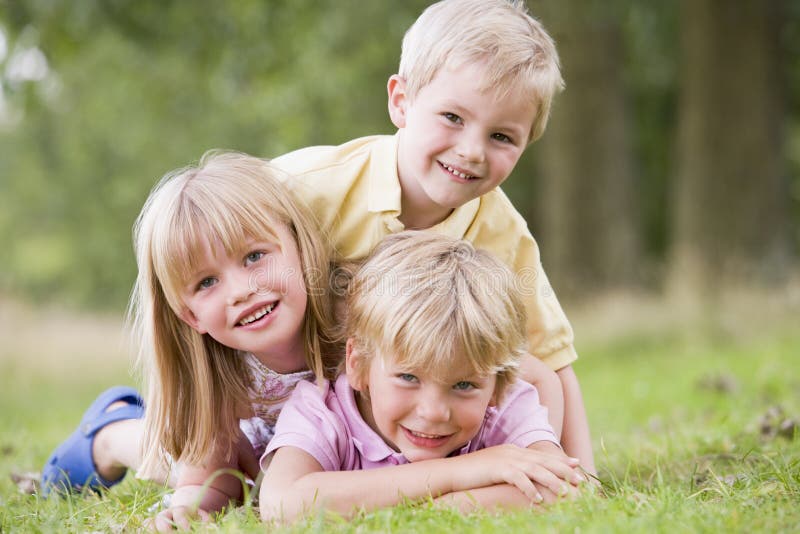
column 474, row 89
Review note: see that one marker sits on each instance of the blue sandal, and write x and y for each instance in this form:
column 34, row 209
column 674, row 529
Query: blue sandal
column 71, row 468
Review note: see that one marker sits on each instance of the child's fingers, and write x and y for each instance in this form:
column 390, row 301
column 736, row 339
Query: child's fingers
column 561, row 465
column 181, row 517
column 565, row 472
column 548, row 479
column 175, row 518
column 162, row 522
column 524, row 484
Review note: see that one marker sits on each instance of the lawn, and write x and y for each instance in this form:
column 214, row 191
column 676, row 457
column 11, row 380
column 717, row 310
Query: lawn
column 695, row 430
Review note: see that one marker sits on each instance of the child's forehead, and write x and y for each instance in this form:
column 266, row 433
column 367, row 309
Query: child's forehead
column 193, row 256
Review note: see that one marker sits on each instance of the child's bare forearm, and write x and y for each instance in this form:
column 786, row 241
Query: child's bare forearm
column 200, row 497
column 214, row 484
column 548, row 385
column 575, row 437
column 295, row 484
column 500, row 496
column 344, row 492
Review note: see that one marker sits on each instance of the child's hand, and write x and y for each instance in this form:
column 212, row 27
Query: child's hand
column 521, row 467
column 189, row 503
column 178, row 518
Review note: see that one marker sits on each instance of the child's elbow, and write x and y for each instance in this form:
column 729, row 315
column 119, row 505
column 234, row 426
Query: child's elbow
column 276, row 509
column 273, row 512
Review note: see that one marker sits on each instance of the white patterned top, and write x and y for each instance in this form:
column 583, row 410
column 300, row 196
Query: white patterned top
column 270, row 391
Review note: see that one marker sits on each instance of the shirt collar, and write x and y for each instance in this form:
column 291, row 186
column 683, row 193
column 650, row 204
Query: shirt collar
column 384, row 183
column 385, row 194
column 369, row 444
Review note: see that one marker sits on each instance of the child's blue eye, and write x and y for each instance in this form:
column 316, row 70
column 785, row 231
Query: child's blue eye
column 502, row 137
column 407, row 377
column 205, row 283
column 254, row 256
column 464, row 386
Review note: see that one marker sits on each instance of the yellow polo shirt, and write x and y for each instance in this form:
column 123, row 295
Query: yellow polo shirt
column 354, row 191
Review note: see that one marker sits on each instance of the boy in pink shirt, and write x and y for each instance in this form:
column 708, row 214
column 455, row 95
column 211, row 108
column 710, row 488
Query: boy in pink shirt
column 428, row 404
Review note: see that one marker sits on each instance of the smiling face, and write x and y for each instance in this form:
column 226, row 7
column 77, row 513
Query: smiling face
column 253, row 299
column 422, row 415
column 457, row 141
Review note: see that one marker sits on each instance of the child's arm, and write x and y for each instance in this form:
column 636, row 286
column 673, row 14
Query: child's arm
column 506, row 496
column 295, row 483
column 575, row 435
column 560, row 392
column 551, row 394
column 192, row 500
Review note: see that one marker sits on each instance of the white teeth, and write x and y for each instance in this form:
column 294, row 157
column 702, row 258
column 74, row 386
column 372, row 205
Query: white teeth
column 423, row 435
column 459, row 173
column 257, row 315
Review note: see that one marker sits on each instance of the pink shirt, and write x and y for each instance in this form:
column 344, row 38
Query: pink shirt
column 326, row 424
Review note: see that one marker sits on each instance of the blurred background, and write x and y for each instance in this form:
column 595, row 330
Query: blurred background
column 670, row 168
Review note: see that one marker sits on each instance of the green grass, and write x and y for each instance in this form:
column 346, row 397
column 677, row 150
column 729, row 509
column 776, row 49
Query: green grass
column 686, row 432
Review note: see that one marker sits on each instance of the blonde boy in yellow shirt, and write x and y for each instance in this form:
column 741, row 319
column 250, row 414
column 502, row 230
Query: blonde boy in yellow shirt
column 474, row 89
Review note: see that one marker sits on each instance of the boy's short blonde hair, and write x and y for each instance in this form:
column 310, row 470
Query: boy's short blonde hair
column 517, row 52
column 430, row 302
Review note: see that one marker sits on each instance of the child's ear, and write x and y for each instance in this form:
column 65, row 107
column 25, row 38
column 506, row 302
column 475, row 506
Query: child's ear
column 187, row 316
column 353, row 364
column 396, row 87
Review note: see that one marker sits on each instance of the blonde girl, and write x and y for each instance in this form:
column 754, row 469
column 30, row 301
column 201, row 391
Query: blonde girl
column 231, row 311
column 428, row 404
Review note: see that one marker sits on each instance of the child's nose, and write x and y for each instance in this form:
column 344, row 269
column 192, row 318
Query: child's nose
column 240, row 288
column 432, row 407
column 471, row 147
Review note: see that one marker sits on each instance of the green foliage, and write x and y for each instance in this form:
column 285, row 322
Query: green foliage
column 138, row 88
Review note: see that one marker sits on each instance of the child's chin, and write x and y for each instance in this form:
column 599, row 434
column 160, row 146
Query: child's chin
column 419, row 456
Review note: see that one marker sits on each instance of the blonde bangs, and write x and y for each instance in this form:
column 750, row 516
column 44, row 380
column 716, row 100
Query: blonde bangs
column 208, row 212
column 430, row 302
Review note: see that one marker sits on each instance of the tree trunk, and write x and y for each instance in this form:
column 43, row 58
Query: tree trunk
column 730, row 203
column 589, row 224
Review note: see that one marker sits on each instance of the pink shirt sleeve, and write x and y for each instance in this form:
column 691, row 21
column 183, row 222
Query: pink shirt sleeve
column 519, row 419
column 308, row 423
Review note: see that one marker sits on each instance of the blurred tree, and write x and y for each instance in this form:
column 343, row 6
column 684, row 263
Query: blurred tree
column 588, row 193
column 731, row 194
column 136, row 88
column 99, row 99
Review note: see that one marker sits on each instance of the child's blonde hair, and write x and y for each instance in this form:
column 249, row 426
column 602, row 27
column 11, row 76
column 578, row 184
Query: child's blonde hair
column 422, row 299
column 194, row 385
column 516, row 51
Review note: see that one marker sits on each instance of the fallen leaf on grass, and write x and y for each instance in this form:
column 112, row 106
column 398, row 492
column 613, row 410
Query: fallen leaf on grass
column 719, row 383
column 27, row 482
column 774, row 422
column 788, row 428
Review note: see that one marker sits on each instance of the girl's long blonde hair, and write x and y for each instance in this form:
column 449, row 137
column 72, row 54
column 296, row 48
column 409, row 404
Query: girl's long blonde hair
column 195, row 386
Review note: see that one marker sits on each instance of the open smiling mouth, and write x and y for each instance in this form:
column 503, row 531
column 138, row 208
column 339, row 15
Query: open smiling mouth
column 422, row 439
column 456, row 172
column 258, row 314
